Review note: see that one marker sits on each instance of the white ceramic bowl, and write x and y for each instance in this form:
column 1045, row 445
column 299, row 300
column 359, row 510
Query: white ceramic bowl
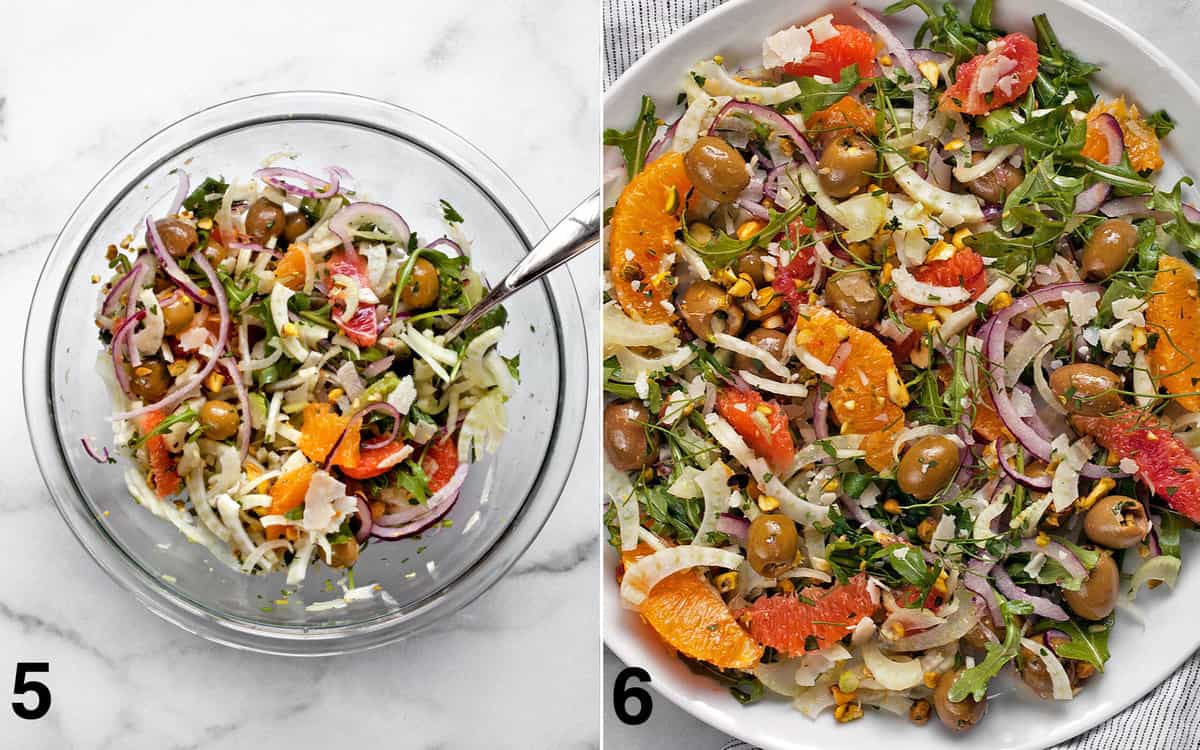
column 1141, row 658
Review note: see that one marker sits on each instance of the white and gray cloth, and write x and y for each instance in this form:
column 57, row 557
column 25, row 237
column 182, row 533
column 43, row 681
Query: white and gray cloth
column 1166, row 719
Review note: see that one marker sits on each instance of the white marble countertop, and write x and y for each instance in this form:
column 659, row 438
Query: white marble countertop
column 1171, row 24
column 80, row 85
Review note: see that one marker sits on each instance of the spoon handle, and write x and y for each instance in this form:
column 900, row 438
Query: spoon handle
column 578, row 231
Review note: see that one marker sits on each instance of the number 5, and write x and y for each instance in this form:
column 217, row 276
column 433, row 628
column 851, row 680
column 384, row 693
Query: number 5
column 39, row 689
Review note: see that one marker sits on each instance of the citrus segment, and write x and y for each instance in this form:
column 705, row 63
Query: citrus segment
column 1173, row 315
column 1141, row 142
column 763, row 425
column 851, row 46
column 291, row 269
column 320, row 433
column 162, row 465
column 789, row 624
column 847, row 112
column 641, row 236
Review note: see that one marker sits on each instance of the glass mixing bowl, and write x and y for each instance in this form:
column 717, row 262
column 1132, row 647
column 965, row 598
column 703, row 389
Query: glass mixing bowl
column 405, row 161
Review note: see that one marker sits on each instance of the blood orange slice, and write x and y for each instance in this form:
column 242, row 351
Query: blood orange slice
column 792, row 625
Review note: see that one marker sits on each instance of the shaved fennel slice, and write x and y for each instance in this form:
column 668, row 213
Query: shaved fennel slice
column 641, row 577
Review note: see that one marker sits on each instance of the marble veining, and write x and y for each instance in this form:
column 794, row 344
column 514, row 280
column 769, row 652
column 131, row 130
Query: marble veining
column 82, row 84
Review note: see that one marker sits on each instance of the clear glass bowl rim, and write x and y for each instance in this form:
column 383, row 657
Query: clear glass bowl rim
column 573, row 397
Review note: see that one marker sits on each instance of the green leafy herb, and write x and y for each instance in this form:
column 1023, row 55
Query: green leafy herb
column 1060, row 72
column 635, row 142
column 1088, row 640
column 411, row 477
column 946, row 32
column 1161, row 122
column 450, row 215
column 722, row 249
column 974, row 681
column 815, row 95
column 744, row 686
column 1180, row 228
column 187, row 414
column 205, row 201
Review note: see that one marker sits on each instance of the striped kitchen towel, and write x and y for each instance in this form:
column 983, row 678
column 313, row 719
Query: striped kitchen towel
column 1166, row 719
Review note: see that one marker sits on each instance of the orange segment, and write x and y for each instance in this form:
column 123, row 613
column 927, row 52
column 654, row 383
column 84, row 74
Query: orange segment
column 847, row 112
column 288, row 493
column 162, row 463
column 785, row 622
column 1173, row 313
column 642, row 234
column 860, row 396
column 321, row 430
column 1141, row 142
column 290, row 270
column 692, row 618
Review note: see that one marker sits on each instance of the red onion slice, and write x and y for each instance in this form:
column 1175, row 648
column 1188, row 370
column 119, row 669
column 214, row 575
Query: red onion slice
column 1113, row 137
column 1057, row 552
column 180, row 192
column 364, row 521
column 379, row 366
column 900, row 54
column 182, row 391
column 120, row 343
column 1041, row 605
column 659, row 147
column 445, row 242
column 348, row 218
column 975, row 579
column 91, row 451
column 734, row 527
column 313, row 187
column 1042, row 483
column 239, row 384
column 174, row 271
column 733, row 114
column 439, row 504
column 1092, row 198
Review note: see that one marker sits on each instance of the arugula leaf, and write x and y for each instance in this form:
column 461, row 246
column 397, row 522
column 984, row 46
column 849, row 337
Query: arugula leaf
column 669, row 516
column 1162, row 123
column 946, row 32
column 1089, row 640
column 744, row 686
column 1060, row 72
column 205, row 201
column 722, row 249
column 450, row 215
column 1180, row 228
column 911, row 566
column 411, row 477
column 635, row 142
column 1050, row 131
column 1121, row 176
column 188, row 414
column 974, row 681
column 815, row 95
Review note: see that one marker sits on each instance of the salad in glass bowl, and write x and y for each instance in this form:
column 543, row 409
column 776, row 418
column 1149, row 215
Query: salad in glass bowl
column 902, row 364
column 280, row 381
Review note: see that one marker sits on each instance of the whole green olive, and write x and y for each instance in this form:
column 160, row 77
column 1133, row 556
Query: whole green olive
column 707, row 309
column 771, row 544
column 422, row 287
column 264, row 220
column 178, row 311
column 853, row 295
column 1116, row 522
column 846, row 164
column 752, row 264
column 764, row 338
column 294, row 225
column 1087, row 389
column 218, row 419
column 629, row 441
column 961, row 716
column 978, row 639
column 1034, row 674
column 927, row 466
column 995, row 186
column 1097, row 595
column 716, row 170
column 178, row 236
column 345, row 554
column 1108, row 249
column 150, row 380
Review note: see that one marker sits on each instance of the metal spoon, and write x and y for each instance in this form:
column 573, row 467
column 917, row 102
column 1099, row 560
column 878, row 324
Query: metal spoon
column 578, row 231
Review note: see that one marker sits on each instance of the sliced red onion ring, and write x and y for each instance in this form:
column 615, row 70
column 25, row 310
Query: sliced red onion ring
column 1041, row 605
column 120, row 342
column 920, row 55
column 312, row 187
column 900, row 54
column 131, row 283
column 735, row 113
column 1057, row 552
column 757, row 210
column 1136, row 206
column 996, row 328
column 975, row 579
column 447, row 243
column 771, row 183
column 356, row 421
column 820, row 417
column 1113, row 137
column 736, row 528
column 438, row 506
column 659, row 147
column 87, row 447
column 1041, row 483
column 364, row 521
column 239, row 384
column 348, row 218
column 1093, row 198
column 174, row 271
column 180, row 192
column 182, row 391
column 860, row 514
column 379, row 366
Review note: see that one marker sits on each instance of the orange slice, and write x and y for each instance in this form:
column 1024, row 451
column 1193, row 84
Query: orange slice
column 1173, row 313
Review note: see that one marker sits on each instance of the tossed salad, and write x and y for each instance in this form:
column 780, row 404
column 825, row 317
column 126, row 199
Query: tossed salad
column 902, row 364
column 278, row 373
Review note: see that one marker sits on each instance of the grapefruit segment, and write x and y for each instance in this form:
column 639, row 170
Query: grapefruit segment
column 786, row 622
column 767, row 434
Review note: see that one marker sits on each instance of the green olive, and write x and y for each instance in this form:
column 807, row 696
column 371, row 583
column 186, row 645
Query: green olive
column 294, row 225
column 764, row 338
column 716, row 170
column 150, row 380
column 853, row 295
column 345, row 554
column 422, row 288
column 178, row 236
column 629, row 442
column 1033, row 672
column 1087, row 389
column 961, row 716
column 264, row 220
column 708, row 310
column 976, row 637
column 1117, row 522
column 927, row 466
column 218, row 419
column 771, row 544
column 1097, row 595
column 1108, row 249
column 846, row 164
column 995, row 186
column 178, row 311
column 751, row 263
